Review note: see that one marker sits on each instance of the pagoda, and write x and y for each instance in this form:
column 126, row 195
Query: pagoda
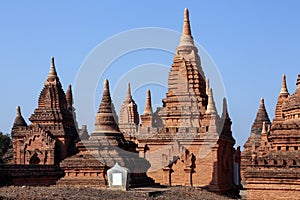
column 273, row 169
column 185, row 140
column 52, row 134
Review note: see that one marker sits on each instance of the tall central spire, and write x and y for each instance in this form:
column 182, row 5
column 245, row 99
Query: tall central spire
column 186, row 35
column 128, row 96
column 52, row 76
column 186, row 29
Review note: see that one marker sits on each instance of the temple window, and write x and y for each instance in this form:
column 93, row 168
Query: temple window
column 278, row 148
column 284, row 163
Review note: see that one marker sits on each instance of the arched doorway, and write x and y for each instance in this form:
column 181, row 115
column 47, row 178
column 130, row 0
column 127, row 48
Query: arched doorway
column 34, row 160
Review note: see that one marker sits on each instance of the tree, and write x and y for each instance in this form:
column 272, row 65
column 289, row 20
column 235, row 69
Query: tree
column 4, row 144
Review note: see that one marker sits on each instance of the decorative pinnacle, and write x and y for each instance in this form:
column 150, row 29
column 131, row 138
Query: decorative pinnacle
column 52, row 68
column 186, row 30
column 262, row 101
column 284, row 90
column 148, row 106
column 211, row 108
column 106, row 85
column 225, row 108
column 69, row 96
column 18, row 111
column 128, row 96
column 264, row 129
column 207, row 85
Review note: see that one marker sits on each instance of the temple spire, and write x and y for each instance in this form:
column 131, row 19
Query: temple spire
column 225, row 109
column 284, row 91
column 264, row 128
column 186, row 29
column 261, row 116
column 18, row 111
column 19, row 120
column 52, row 71
column 52, row 76
column 148, row 106
column 186, row 35
column 106, row 116
column 128, row 96
column 69, row 97
column 211, row 108
column 207, row 85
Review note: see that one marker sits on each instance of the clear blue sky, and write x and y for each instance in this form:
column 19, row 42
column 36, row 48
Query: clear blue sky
column 252, row 42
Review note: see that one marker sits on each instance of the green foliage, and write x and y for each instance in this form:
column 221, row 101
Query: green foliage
column 4, row 143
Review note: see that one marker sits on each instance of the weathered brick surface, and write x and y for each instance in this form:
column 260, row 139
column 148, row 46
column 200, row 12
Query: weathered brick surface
column 102, row 150
column 52, row 134
column 253, row 141
column 272, row 170
column 186, row 141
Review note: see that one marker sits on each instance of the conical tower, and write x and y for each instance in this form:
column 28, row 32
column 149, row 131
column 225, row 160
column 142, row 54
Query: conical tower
column 53, row 115
column 186, row 94
column 52, row 134
column 105, row 118
column 148, row 105
column 147, row 115
column 52, row 104
column 252, row 144
column 129, row 116
column 225, row 122
column 211, row 107
column 282, row 97
column 261, row 116
column 19, row 120
column 104, row 148
column 69, row 97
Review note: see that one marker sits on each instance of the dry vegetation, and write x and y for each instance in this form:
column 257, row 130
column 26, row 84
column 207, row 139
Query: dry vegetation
column 174, row 193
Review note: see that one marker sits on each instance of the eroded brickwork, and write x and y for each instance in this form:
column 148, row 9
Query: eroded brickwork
column 52, row 134
column 186, row 141
column 272, row 171
column 102, row 150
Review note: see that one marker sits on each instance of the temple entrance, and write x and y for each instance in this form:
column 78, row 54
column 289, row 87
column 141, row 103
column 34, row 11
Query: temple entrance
column 34, row 160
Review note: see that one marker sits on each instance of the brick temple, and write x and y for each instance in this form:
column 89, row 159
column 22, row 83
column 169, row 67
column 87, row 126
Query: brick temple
column 270, row 160
column 185, row 142
column 52, row 134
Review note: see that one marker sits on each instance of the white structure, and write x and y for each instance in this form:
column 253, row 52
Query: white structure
column 118, row 177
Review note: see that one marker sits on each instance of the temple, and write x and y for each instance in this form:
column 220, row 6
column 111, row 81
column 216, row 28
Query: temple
column 52, row 133
column 102, row 150
column 271, row 162
column 253, row 142
column 185, row 141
